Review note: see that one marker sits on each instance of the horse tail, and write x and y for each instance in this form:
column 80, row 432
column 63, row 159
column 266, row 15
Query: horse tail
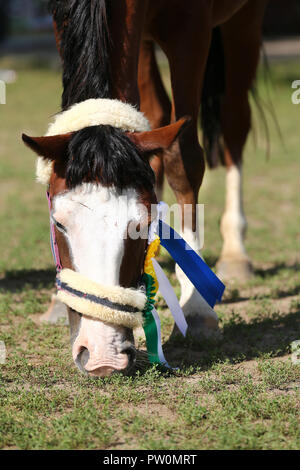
column 84, row 47
column 264, row 107
column 213, row 89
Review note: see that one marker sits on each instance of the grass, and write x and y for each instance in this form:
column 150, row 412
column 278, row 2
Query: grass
column 240, row 391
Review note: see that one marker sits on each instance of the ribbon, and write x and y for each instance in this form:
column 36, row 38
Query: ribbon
column 153, row 338
column 154, row 279
column 170, row 297
column 197, row 271
column 151, row 322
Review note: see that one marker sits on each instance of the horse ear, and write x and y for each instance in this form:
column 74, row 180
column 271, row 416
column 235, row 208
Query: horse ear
column 50, row 147
column 159, row 139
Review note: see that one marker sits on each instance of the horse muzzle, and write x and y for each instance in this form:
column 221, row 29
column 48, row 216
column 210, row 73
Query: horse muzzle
column 104, row 341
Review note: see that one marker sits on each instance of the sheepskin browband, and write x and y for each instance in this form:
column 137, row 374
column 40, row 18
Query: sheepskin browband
column 112, row 304
column 92, row 112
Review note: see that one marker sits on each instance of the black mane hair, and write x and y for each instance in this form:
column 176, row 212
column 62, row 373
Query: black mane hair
column 104, row 154
column 84, row 46
column 101, row 153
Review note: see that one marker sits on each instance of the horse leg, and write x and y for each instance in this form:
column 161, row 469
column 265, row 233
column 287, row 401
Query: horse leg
column 184, row 162
column 241, row 39
column 154, row 103
column 56, row 312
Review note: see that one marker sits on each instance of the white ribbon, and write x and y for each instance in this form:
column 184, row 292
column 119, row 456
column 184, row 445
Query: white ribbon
column 159, row 345
column 169, row 295
column 165, row 287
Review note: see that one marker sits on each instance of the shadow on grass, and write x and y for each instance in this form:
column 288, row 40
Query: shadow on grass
column 266, row 274
column 240, row 341
column 276, row 294
column 274, row 270
column 16, row 281
column 234, row 299
column 281, row 293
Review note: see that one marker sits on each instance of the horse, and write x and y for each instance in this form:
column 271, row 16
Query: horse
column 100, row 153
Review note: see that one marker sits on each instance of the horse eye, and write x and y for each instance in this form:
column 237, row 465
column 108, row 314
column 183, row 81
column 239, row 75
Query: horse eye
column 59, row 226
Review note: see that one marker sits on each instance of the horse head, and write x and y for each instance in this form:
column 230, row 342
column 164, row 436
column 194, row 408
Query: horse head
column 101, row 191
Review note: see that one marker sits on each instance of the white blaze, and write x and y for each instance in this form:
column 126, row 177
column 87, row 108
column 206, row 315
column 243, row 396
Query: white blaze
column 96, row 220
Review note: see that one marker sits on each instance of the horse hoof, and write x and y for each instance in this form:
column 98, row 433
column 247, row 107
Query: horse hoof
column 198, row 327
column 202, row 326
column 235, row 270
column 56, row 312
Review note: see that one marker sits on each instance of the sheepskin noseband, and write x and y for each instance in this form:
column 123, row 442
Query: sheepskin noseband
column 112, row 304
column 92, row 112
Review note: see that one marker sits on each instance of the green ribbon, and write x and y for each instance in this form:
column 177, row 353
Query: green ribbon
column 149, row 324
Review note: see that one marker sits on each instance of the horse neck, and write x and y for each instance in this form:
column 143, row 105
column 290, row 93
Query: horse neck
column 118, row 42
column 127, row 22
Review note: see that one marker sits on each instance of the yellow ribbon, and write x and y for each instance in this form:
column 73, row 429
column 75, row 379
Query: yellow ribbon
column 152, row 251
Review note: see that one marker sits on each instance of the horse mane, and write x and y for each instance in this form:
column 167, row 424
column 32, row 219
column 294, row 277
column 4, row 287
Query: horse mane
column 212, row 91
column 84, row 48
column 104, row 154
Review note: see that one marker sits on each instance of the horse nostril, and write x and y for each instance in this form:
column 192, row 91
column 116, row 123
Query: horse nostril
column 130, row 350
column 82, row 357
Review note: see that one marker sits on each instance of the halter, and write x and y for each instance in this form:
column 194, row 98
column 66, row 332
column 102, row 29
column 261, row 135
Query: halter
column 114, row 304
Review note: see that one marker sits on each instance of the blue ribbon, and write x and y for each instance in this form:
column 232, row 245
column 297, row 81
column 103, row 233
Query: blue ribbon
column 203, row 278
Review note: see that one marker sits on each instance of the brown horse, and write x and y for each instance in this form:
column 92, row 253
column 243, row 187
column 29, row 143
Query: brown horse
column 108, row 51
column 203, row 40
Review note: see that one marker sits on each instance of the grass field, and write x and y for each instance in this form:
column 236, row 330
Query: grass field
column 238, row 392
